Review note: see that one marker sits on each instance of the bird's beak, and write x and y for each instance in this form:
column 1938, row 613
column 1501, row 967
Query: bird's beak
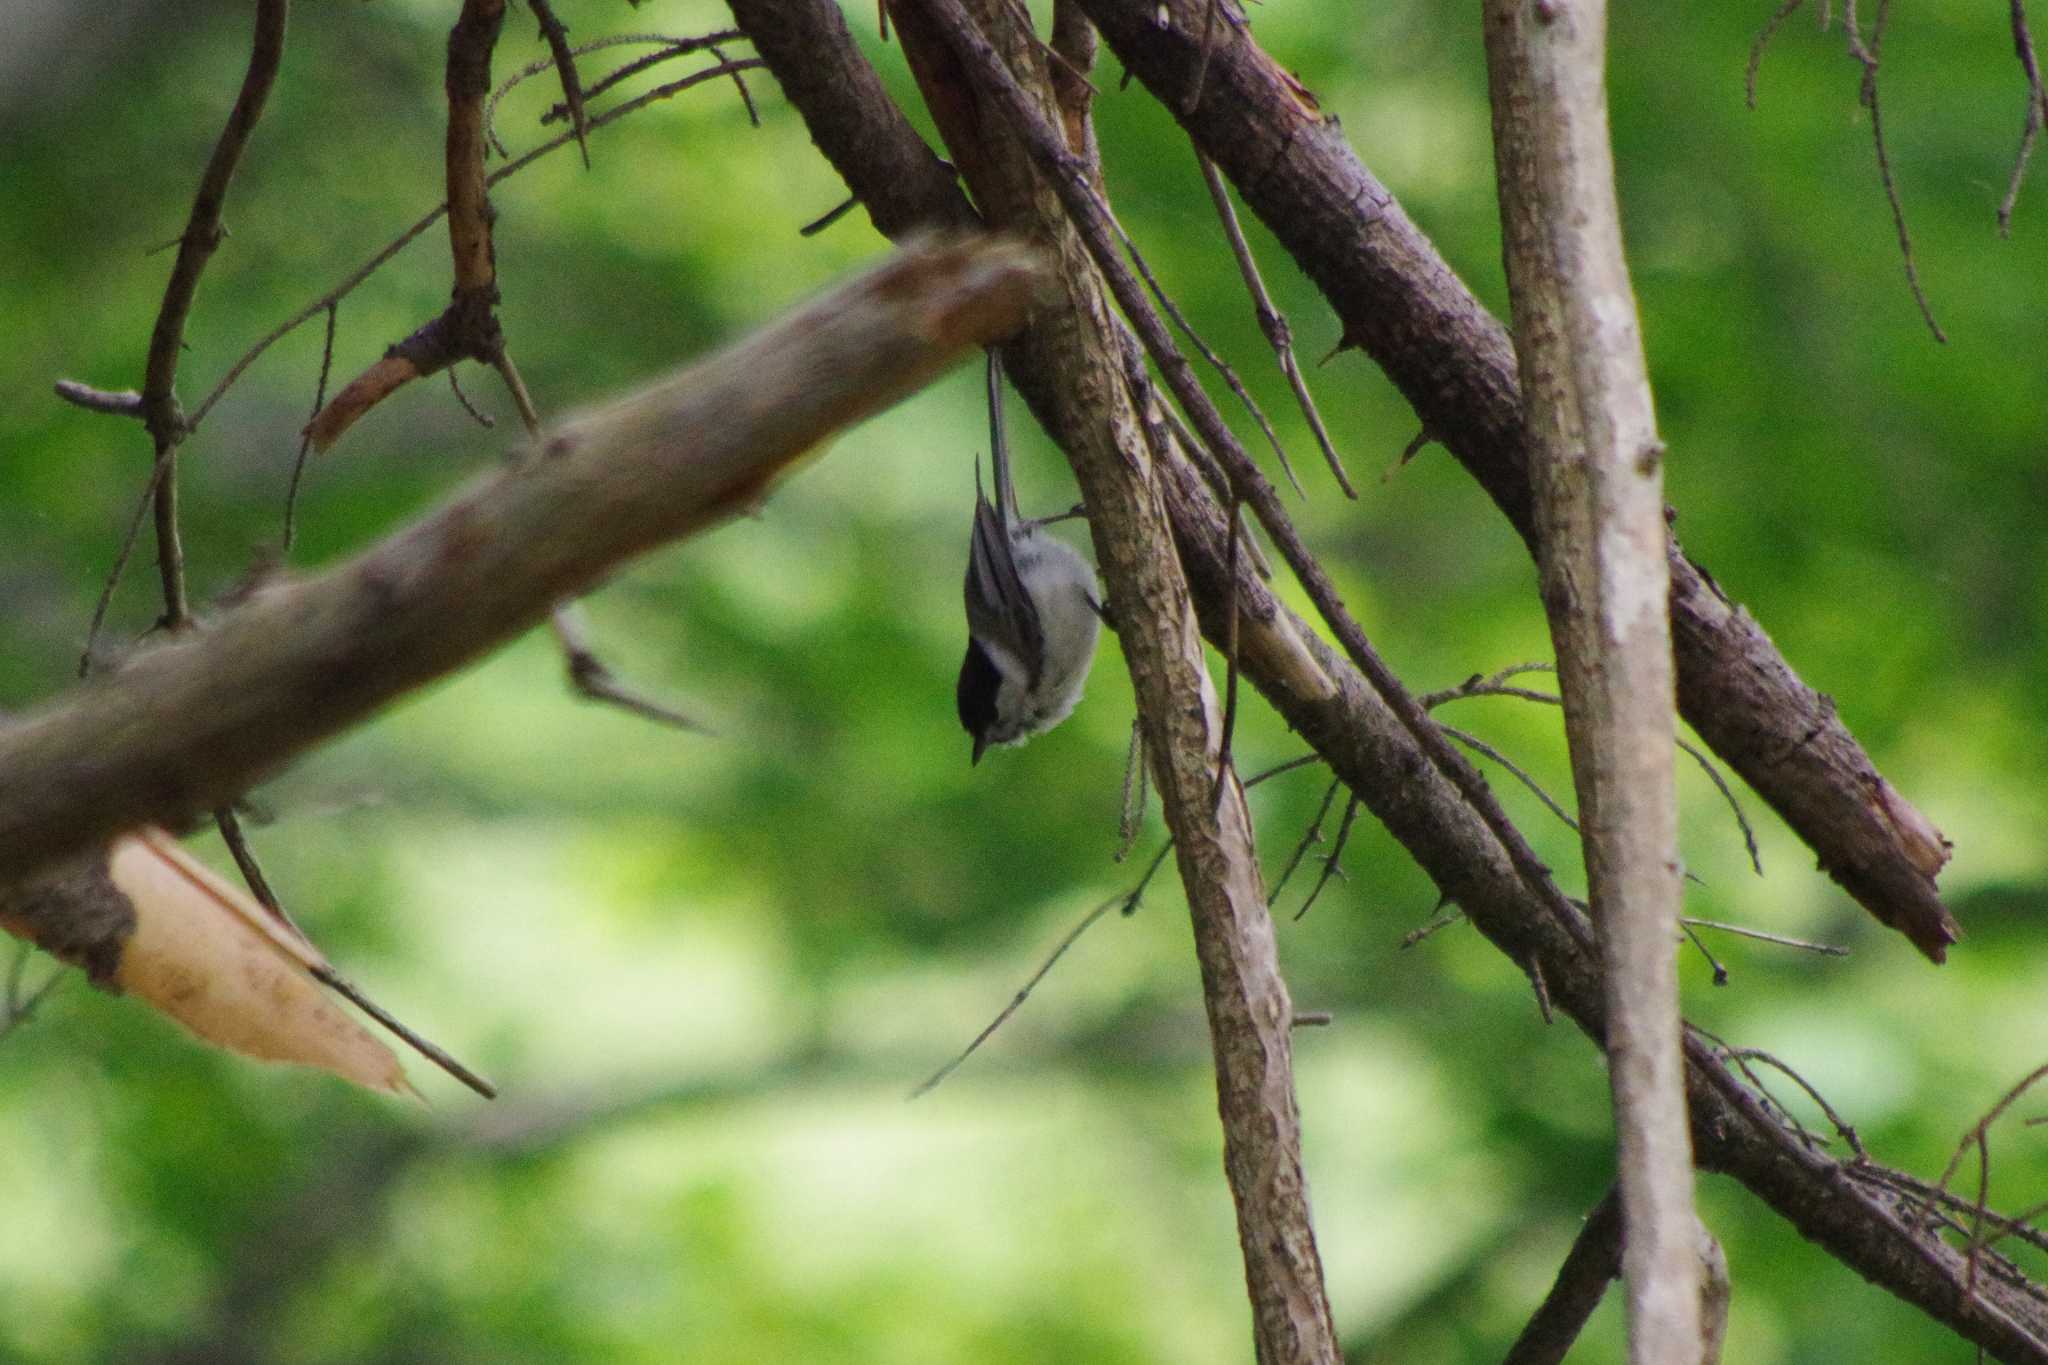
column 980, row 747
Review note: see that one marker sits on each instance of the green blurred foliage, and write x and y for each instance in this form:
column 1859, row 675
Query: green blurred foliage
column 707, row 969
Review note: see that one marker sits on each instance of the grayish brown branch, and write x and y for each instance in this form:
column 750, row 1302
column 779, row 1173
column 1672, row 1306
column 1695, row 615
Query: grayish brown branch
column 1597, row 467
column 187, row 726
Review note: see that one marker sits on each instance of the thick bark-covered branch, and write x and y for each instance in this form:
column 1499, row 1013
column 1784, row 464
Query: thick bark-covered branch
column 188, row 726
column 957, row 60
column 1599, row 506
column 1401, row 303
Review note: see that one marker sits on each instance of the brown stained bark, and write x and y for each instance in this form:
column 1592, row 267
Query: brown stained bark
column 1401, row 303
column 1333, row 708
column 1250, row 1016
column 468, row 82
column 1599, row 505
column 467, row 329
column 191, row 724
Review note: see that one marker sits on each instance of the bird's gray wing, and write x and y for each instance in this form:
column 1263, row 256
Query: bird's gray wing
column 998, row 608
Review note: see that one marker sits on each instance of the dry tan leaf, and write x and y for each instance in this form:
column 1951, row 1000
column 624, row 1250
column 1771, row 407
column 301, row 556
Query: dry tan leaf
column 207, row 954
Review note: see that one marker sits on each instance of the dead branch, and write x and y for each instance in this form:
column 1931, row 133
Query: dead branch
column 1597, row 466
column 966, row 69
column 1593, row 1262
column 1271, row 323
column 202, row 234
column 1400, row 301
column 189, row 725
column 1329, row 703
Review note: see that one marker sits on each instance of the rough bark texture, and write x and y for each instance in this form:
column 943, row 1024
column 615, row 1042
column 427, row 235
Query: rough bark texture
column 957, row 60
column 1401, row 303
column 1599, row 508
column 190, row 725
column 1328, row 702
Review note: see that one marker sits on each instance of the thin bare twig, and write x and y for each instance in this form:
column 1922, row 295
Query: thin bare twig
column 1229, row 729
column 1310, row 837
column 1866, row 55
column 1128, row 902
column 1131, row 809
column 1202, row 348
column 1763, row 40
column 355, row 278
column 113, row 578
column 828, row 218
column 1332, row 867
column 476, row 414
column 196, row 244
column 1976, row 1136
column 1485, row 750
column 1841, row 1125
column 1433, row 927
column 426, row 1047
column 1691, row 936
column 1271, row 322
column 556, row 35
column 594, row 680
column 291, row 496
column 2037, row 113
column 1783, row 941
column 671, row 47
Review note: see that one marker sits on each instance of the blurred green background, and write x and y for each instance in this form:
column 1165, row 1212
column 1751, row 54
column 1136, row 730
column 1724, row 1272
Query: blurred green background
column 707, row 970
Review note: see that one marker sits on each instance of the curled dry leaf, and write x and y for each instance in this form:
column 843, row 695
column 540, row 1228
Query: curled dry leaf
column 149, row 919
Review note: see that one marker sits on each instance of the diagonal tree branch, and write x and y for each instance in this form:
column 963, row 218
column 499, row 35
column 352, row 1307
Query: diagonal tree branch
column 1401, row 303
column 190, row 724
column 952, row 48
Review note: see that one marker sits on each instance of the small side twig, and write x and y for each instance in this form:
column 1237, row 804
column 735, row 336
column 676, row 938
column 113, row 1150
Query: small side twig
column 1782, row 940
column 595, row 681
column 1332, row 866
column 1485, row 750
column 291, row 495
column 1310, row 837
column 1271, row 322
column 828, row 218
column 556, row 35
column 121, row 556
column 1866, row 55
column 1126, row 903
column 124, row 403
column 1202, row 348
column 1763, row 40
column 2037, row 114
column 1131, row 809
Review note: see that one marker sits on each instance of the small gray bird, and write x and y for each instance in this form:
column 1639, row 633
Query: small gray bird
column 1033, row 611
